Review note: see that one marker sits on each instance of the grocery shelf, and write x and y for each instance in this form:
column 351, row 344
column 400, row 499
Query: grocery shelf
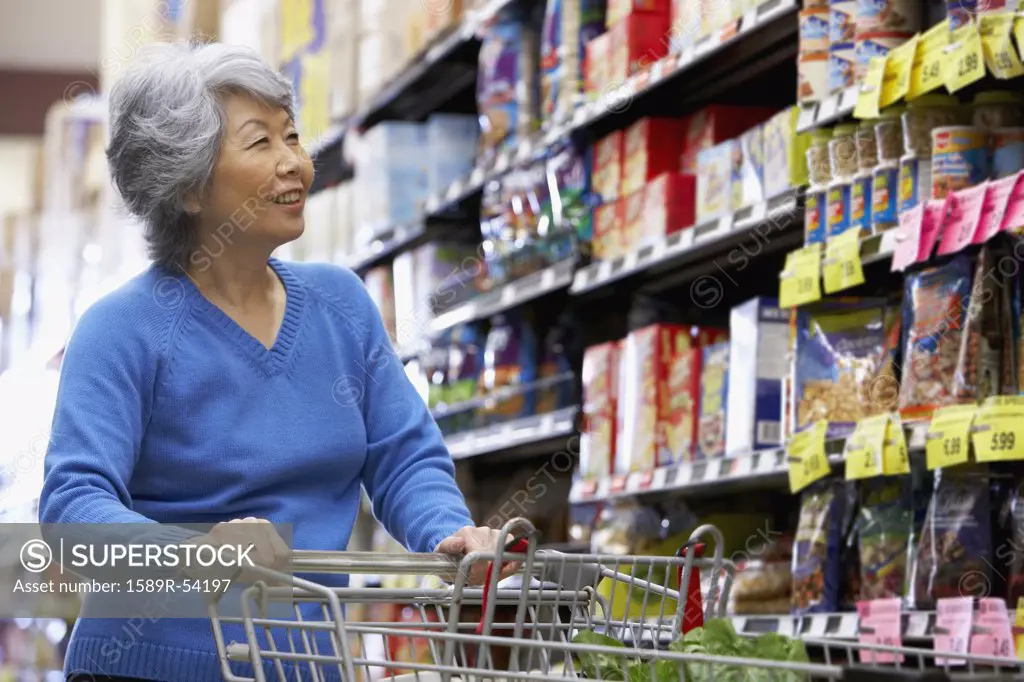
column 763, row 38
column 442, row 411
column 668, row 255
column 916, row 625
column 522, row 290
column 386, row 244
column 758, row 469
column 538, row 433
column 830, row 110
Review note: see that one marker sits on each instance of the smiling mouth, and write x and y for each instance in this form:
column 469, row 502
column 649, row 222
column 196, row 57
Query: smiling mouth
column 288, row 198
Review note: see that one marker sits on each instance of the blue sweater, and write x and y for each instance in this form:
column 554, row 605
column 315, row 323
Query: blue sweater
column 169, row 412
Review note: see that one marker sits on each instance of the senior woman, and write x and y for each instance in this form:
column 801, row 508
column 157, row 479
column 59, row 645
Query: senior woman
column 222, row 384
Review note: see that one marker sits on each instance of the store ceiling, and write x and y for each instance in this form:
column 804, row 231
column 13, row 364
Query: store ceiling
column 50, row 35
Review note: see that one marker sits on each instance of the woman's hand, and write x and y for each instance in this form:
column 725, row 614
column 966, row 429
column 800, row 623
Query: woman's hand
column 480, row 539
column 268, row 549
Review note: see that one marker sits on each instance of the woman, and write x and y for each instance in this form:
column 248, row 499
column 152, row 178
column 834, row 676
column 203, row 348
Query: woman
column 224, row 385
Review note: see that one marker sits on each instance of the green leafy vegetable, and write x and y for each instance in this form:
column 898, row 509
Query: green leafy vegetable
column 602, row 666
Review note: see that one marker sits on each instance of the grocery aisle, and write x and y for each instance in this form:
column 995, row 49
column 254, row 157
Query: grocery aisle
column 656, row 264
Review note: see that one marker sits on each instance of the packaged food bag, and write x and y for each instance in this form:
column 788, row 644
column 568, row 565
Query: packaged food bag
column 510, row 359
column 885, row 527
column 820, row 541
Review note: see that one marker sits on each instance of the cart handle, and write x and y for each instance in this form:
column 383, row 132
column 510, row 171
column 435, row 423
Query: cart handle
column 412, row 563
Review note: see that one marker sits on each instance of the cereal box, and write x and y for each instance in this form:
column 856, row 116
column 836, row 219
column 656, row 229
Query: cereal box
column 598, row 55
column 684, row 376
column 785, row 162
column 714, row 180
column 632, row 220
column 713, row 125
column 748, row 177
column 669, row 205
column 714, row 385
column 607, row 174
column 651, row 148
column 620, row 9
column 637, row 42
column 600, row 398
column 608, row 231
column 759, row 333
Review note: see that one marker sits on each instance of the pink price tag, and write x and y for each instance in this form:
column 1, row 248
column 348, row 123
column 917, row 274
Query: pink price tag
column 996, row 199
column 954, row 618
column 962, row 219
column 908, row 239
column 931, row 226
column 1013, row 217
column 879, row 626
column 993, row 635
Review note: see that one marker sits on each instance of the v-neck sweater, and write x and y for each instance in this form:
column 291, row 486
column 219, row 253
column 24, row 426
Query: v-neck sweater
column 169, row 412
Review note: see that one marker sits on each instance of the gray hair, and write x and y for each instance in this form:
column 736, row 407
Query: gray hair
column 166, row 123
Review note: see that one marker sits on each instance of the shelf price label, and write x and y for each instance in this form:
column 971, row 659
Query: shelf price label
column 800, row 280
column 870, row 93
column 926, row 72
column 947, row 440
column 894, row 453
column 879, row 624
column 998, row 433
column 864, row 448
column 965, row 63
column 806, row 456
column 842, row 267
column 899, row 64
column 997, row 41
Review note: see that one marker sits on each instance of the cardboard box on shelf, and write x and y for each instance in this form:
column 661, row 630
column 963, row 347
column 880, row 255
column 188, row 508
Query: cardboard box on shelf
column 651, row 147
column 618, row 10
column 785, row 159
column 633, row 220
column 636, row 42
column 748, row 178
column 714, row 382
column 759, row 330
column 714, row 180
column 607, row 172
column 608, row 229
column 670, row 204
column 713, row 125
column 597, row 64
column 600, row 400
column 684, row 377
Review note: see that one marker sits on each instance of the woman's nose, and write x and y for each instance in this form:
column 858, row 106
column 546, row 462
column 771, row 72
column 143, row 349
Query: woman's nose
column 289, row 163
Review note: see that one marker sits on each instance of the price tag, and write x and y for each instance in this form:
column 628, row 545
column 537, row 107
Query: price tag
column 658, row 480
column 996, row 199
column 899, row 64
column 931, row 227
column 947, row 438
column 965, row 61
column 995, row 637
column 863, row 449
column 807, row 459
column 998, row 433
column 1018, row 630
column 800, row 281
column 842, row 268
column 908, row 238
column 962, row 219
column 926, row 72
column 954, row 619
column 618, row 483
column 996, row 32
column 871, row 90
column 894, row 454
column 880, row 623
column 1013, row 217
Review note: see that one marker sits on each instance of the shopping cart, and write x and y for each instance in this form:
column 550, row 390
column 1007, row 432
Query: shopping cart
column 548, row 627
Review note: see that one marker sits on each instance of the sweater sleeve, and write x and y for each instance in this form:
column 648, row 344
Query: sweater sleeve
column 409, row 473
column 104, row 398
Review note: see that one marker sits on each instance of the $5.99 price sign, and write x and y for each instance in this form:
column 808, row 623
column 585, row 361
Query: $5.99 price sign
column 998, row 432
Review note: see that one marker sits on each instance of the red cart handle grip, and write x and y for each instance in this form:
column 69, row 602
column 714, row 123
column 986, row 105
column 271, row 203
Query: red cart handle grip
column 693, row 609
column 517, row 546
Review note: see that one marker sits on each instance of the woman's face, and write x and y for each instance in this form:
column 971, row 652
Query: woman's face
column 257, row 192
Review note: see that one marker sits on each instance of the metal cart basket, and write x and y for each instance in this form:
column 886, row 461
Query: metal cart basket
column 530, row 631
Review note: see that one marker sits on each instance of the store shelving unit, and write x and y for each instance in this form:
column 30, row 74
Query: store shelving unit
column 524, row 437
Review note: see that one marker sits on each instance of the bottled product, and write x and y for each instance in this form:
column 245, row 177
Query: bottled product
column 923, row 115
column 842, row 151
column 867, row 151
column 997, row 109
column 887, row 135
column 818, row 169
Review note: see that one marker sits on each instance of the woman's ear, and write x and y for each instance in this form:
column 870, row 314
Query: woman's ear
column 192, row 205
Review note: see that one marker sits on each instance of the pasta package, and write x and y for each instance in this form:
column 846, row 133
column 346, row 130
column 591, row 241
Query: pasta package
column 935, row 304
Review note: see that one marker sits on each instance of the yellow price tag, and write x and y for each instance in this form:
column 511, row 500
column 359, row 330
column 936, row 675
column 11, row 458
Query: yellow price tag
column 800, row 280
column 998, row 432
column 870, row 90
column 296, row 21
column 1018, row 31
column 947, row 440
column 926, row 73
column 965, row 63
column 842, row 267
column 996, row 32
column 806, row 456
column 894, row 455
column 864, row 448
column 899, row 64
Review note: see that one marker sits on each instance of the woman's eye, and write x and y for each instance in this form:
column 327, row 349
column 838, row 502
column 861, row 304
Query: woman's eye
column 258, row 142
column 293, row 137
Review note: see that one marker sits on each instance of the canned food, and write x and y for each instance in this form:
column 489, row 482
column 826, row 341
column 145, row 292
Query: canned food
column 959, row 159
column 814, row 215
column 996, row 109
column 814, row 29
column 915, row 178
column 812, row 76
column 841, row 61
column 923, row 115
column 1007, row 151
column 884, row 196
column 860, row 202
column 875, row 45
column 837, row 208
column 842, row 22
column 880, row 16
